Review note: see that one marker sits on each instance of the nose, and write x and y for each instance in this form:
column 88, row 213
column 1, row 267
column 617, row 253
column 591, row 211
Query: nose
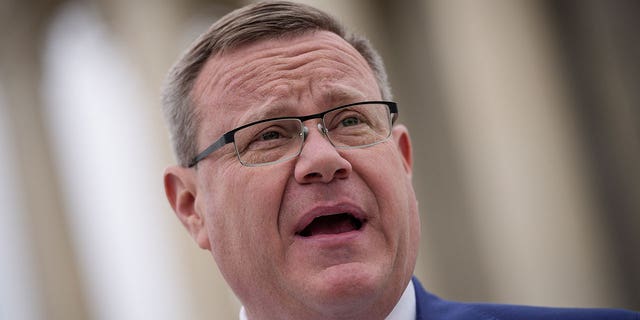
column 319, row 161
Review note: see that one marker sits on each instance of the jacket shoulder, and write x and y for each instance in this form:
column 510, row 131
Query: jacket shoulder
column 429, row 306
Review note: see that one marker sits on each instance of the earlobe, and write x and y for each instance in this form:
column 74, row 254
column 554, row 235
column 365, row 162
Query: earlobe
column 403, row 142
column 181, row 191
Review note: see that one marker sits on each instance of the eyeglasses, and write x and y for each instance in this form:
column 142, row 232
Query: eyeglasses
column 270, row 141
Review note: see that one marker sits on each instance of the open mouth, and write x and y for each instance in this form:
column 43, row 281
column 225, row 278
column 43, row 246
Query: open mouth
column 332, row 224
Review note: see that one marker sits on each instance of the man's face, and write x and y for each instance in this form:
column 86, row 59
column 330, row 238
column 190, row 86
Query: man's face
column 331, row 231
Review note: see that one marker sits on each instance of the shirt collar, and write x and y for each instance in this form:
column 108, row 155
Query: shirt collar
column 405, row 309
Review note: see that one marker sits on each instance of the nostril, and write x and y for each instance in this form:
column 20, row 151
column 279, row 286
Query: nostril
column 313, row 175
column 341, row 173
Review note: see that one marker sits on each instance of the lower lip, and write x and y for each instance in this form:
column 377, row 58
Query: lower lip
column 334, row 238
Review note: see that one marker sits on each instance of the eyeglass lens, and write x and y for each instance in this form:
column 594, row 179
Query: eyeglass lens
column 279, row 140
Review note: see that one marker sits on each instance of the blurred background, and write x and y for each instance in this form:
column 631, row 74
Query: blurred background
column 524, row 115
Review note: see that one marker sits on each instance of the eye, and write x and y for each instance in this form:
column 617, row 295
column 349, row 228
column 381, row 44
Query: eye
column 269, row 135
column 266, row 139
column 350, row 121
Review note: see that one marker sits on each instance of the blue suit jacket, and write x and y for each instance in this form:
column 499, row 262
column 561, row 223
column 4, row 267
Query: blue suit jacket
column 430, row 307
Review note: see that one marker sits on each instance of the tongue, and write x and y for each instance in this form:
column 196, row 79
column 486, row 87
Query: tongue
column 333, row 224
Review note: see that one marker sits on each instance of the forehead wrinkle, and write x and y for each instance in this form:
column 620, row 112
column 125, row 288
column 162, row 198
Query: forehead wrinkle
column 279, row 62
column 232, row 72
column 280, row 83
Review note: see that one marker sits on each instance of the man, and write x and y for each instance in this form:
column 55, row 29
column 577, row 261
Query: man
column 292, row 173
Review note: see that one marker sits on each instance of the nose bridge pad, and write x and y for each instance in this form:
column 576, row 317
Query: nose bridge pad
column 322, row 129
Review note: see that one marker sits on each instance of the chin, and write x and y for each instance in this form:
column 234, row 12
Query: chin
column 343, row 289
column 349, row 282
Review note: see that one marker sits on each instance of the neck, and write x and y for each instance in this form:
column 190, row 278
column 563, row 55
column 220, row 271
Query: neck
column 402, row 306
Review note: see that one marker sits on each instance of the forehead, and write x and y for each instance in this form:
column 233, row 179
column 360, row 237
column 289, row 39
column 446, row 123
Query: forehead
column 295, row 75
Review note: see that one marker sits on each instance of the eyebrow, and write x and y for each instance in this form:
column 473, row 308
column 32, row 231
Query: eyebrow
column 266, row 111
column 336, row 96
column 340, row 94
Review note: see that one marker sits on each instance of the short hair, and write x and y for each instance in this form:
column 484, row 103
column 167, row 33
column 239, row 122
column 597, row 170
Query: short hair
column 249, row 24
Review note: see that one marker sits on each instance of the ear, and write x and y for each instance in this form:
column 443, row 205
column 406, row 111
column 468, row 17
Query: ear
column 403, row 142
column 181, row 191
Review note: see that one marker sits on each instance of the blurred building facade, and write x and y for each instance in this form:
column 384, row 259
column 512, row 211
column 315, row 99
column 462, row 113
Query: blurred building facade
column 524, row 117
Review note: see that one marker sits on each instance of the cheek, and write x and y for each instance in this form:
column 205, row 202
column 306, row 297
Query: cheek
column 248, row 201
column 242, row 217
column 393, row 190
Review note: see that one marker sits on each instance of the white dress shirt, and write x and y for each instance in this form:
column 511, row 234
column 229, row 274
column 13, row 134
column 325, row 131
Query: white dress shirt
column 405, row 309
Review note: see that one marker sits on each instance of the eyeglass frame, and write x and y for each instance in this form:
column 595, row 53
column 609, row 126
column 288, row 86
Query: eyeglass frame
column 229, row 136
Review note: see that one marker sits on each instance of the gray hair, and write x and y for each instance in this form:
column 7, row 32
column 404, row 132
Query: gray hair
column 249, row 24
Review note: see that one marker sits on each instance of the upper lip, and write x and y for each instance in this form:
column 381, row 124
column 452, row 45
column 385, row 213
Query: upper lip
column 329, row 209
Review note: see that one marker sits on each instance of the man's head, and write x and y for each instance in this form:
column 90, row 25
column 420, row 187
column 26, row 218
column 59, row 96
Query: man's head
column 334, row 229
